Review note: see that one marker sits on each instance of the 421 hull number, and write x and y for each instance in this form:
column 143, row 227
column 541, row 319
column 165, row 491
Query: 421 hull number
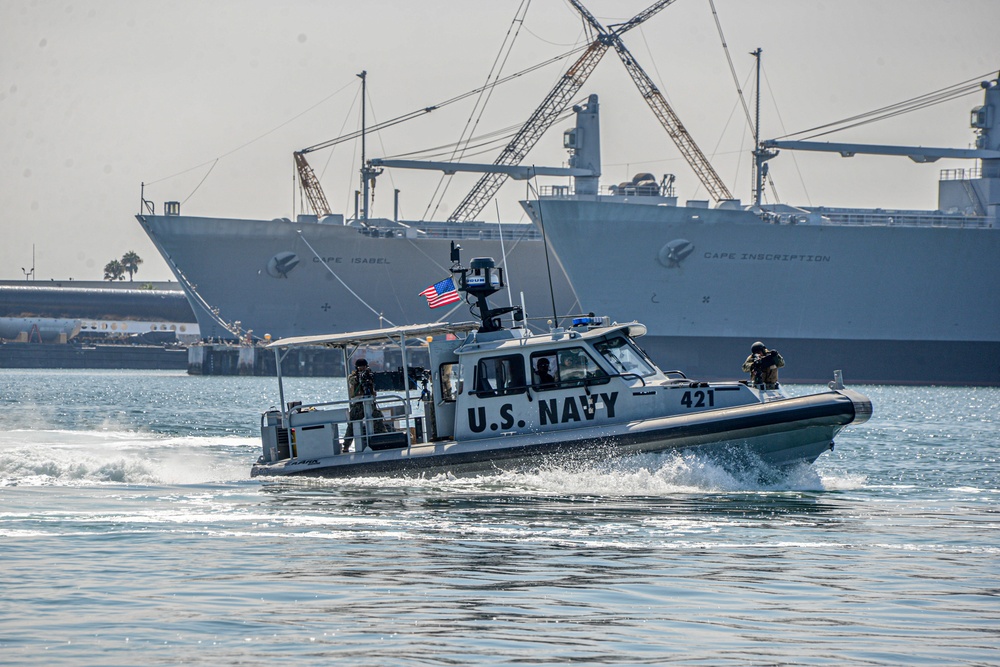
column 698, row 399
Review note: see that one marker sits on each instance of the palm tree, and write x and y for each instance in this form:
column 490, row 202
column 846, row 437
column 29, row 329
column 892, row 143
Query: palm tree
column 131, row 262
column 114, row 270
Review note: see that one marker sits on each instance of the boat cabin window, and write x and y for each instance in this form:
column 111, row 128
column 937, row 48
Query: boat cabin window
column 451, row 380
column 500, row 376
column 567, row 367
column 624, row 356
column 543, row 369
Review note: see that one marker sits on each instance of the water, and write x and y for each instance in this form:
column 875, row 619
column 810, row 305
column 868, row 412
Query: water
column 131, row 534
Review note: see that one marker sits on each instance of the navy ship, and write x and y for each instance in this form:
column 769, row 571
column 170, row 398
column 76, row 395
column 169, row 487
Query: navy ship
column 889, row 296
column 324, row 273
column 279, row 278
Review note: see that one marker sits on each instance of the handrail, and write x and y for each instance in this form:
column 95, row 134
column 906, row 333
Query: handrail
column 401, row 422
column 311, row 406
column 381, row 400
column 633, row 375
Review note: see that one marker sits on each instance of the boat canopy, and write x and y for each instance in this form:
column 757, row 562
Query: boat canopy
column 391, row 334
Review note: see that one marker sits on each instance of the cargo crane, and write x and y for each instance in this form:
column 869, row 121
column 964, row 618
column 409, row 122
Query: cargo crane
column 541, row 120
column 307, row 177
column 661, row 109
column 546, row 114
column 310, row 185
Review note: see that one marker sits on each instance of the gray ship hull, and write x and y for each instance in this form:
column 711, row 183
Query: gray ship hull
column 884, row 303
column 263, row 275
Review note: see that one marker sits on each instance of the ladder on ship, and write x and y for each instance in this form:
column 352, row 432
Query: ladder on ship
column 973, row 195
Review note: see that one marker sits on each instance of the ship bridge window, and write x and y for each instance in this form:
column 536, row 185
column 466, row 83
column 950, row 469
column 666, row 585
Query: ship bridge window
column 624, row 356
column 500, row 376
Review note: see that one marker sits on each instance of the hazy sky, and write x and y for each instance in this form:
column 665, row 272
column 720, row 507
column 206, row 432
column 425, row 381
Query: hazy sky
column 99, row 96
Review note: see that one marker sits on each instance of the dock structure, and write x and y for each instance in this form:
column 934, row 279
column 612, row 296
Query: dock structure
column 100, row 357
column 91, row 325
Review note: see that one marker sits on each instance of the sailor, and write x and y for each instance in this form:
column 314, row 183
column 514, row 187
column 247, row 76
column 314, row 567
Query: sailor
column 571, row 366
column 360, row 386
column 545, row 378
column 763, row 365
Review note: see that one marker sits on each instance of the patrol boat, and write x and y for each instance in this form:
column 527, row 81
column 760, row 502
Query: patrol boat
column 501, row 398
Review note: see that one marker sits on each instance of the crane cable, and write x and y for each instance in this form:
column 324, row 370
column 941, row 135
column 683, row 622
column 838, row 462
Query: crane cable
column 486, row 142
column 340, row 280
column 420, row 112
column 739, row 90
column 479, row 108
column 732, row 68
column 924, row 101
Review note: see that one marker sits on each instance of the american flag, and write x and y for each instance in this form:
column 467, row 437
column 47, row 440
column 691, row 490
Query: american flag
column 441, row 293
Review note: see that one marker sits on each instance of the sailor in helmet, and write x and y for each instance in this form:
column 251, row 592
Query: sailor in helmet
column 763, row 365
column 545, row 377
column 360, row 386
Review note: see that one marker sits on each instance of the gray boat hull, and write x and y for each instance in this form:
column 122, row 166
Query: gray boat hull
column 779, row 433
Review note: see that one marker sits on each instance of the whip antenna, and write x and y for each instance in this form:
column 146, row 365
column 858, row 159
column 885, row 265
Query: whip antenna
column 503, row 253
column 545, row 244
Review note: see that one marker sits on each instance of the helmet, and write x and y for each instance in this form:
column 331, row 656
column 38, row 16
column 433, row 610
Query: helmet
column 361, row 363
column 758, row 347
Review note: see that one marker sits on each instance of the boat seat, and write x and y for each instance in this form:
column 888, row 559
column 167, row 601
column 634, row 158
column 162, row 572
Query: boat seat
column 391, row 440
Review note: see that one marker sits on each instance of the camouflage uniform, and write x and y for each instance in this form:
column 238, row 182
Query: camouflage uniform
column 356, row 388
column 767, row 376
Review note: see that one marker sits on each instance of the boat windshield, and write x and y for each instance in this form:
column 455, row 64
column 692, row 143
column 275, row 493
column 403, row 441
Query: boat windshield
column 624, row 356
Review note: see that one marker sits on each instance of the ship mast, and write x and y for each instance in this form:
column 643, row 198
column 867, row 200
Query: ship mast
column 760, row 154
column 364, row 181
column 758, row 181
column 368, row 173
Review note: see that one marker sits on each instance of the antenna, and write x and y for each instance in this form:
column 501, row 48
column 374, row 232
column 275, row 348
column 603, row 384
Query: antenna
column 31, row 273
column 548, row 267
column 503, row 252
column 480, row 280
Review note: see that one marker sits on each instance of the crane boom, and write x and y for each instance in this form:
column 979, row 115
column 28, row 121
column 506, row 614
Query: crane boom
column 674, row 127
column 916, row 153
column 536, row 125
column 542, row 119
column 661, row 109
column 310, row 185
